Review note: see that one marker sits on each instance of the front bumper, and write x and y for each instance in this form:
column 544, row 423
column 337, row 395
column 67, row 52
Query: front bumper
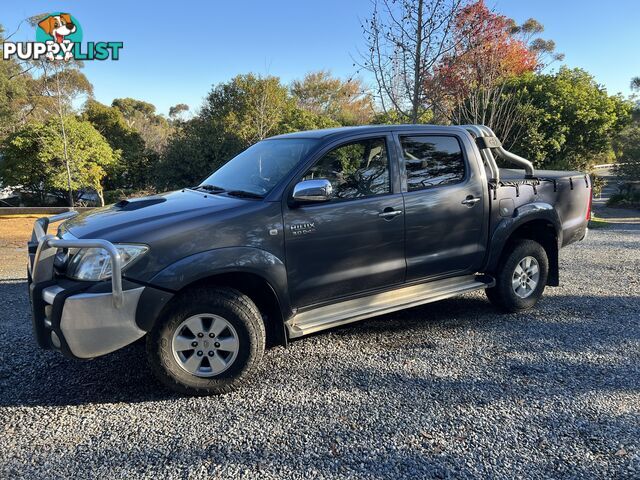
column 80, row 319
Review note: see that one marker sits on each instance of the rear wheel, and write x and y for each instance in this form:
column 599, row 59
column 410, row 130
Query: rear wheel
column 208, row 342
column 522, row 276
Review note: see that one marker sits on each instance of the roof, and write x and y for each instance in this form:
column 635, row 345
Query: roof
column 348, row 131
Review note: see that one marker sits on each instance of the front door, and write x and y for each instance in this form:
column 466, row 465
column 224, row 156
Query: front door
column 355, row 242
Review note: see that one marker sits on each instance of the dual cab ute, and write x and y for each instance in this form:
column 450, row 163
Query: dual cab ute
column 297, row 234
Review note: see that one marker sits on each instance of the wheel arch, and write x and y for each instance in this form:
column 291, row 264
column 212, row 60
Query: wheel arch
column 254, row 272
column 536, row 221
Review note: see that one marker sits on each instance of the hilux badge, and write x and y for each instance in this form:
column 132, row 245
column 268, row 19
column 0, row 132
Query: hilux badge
column 303, row 228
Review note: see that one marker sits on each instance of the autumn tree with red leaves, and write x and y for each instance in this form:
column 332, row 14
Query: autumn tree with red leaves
column 471, row 84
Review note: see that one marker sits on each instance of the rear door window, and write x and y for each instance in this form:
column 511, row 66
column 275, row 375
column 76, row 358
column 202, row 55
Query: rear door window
column 432, row 160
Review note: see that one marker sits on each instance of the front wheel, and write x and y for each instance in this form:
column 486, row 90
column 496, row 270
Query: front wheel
column 522, row 276
column 207, row 342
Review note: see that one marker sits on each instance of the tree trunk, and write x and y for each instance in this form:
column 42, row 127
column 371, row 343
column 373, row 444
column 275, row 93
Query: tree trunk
column 417, row 69
column 66, row 161
column 64, row 142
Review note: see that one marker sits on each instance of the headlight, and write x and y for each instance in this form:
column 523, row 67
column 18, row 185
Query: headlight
column 95, row 263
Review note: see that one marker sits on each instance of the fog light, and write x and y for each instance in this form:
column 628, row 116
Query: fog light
column 55, row 341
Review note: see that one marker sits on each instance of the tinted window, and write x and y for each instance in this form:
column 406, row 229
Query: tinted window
column 260, row 167
column 432, row 160
column 358, row 169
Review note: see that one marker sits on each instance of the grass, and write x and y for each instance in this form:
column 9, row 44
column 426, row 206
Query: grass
column 15, row 231
column 22, row 215
column 597, row 222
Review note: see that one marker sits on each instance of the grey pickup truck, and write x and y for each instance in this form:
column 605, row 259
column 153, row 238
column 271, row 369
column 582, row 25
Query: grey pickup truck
column 300, row 233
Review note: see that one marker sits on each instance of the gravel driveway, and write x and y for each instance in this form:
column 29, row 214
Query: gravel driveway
column 447, row 390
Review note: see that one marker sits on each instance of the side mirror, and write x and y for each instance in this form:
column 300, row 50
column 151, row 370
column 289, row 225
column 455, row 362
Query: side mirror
column 309, row 191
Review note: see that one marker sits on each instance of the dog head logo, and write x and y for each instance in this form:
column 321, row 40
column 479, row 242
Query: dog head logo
column 59, row 37
column 60, row 28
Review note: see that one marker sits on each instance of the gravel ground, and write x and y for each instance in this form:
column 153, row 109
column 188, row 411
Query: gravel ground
column 446, row 390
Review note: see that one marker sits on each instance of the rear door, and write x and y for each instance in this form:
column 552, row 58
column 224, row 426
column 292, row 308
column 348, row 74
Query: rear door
column 355, row 242
column 445, row 204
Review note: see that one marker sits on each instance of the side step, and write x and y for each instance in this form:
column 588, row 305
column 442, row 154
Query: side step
column 348, row 311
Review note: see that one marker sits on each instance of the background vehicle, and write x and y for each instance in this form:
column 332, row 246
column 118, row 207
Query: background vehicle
column 300, row 233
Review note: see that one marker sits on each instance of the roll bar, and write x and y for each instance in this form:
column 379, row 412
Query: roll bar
column 486, row 153
column 492, row 145
column 512, row 157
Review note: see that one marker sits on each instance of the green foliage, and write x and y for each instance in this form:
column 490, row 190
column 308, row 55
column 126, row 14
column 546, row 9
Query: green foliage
column 393, row 117
column 628, row 197
column 570, row 120
column 627, row 147
column 597, row 185
column 344, row 102
column 33, row 157
column 141, row 116
column 14, row 93
column 235, row 115
column 134, row 169
column 130, row 107
column 56, row 88
column 597, row 222
column 177, row 110
column 134, row 129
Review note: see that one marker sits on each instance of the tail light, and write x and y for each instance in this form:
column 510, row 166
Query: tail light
column 589, row 204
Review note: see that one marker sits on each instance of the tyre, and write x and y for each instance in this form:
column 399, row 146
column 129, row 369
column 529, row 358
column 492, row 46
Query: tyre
column 207, row 342
column 521, row 277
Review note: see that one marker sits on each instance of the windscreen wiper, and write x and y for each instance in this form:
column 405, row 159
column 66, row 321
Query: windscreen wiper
column 244, row 194
column 209, row 188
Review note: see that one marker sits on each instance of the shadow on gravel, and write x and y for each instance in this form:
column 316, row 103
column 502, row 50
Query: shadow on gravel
column 567, row 323
column 29, row 376
column 45, row 378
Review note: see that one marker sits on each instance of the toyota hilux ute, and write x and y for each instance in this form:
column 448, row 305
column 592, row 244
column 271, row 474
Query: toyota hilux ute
column 300, row 233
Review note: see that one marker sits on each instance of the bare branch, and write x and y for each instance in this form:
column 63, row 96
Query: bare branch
column 405, row 40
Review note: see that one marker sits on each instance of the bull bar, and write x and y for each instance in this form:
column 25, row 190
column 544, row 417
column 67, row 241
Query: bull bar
column 42, row 262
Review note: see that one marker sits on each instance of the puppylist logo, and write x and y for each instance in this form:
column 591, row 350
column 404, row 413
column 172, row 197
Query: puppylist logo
column 59, row 37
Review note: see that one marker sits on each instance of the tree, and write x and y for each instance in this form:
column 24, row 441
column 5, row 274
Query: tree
column 61, row 84
column 627, row 144
column 405, row 41
column 177, row 110
column 571, row 119
column 141, row 116
column 250, row 105
column 346, row 102
column 132, row 108
column 627, row 147
column 58, row 85
column 472, row 83
column 34, row 155
column 14, row 93
column 134, row 170
column 235, row 115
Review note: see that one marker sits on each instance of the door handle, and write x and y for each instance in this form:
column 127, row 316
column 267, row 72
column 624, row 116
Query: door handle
column 470, row 201
column 389, row 213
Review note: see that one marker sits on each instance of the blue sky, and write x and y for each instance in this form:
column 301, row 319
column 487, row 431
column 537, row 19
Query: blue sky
column 175, row 51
